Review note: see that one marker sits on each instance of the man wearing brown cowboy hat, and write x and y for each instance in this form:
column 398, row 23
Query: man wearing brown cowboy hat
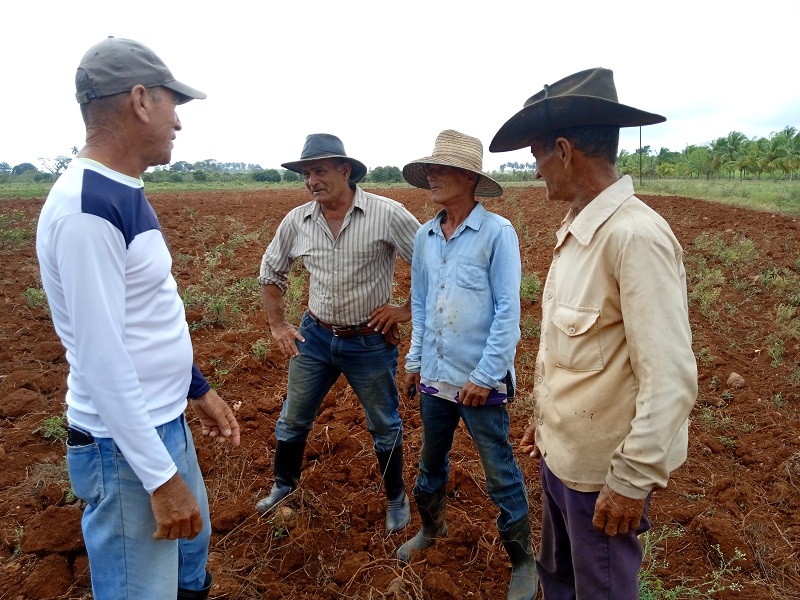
column 616, row 378
column 465, row 281
column 348, row 240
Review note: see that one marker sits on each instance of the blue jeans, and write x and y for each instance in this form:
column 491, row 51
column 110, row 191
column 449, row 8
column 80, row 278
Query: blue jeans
column 126, row 563
column 488, row 426
column 370, row 367
column 575, row 559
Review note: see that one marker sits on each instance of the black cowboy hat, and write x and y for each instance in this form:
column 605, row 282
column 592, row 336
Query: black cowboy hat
column 325, row 145
column 581, row 99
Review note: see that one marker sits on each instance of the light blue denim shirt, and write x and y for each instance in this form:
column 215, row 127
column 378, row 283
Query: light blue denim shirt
column 465, row 306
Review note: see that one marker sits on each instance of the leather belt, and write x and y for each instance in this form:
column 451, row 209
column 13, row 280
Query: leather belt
column 344, row 332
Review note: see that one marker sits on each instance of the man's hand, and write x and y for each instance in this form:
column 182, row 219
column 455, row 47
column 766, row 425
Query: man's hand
column 411, row 379
column 473, row 395
column 528, row 443
column 176, row 511
column 216, row 417
column 382, row 318
column 285, row 335
column 615, row 513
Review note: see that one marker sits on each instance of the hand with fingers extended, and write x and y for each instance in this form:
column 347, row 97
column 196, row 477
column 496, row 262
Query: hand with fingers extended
column 615, row 513
column 176, row 511
column 385, row 316
column 285, row 336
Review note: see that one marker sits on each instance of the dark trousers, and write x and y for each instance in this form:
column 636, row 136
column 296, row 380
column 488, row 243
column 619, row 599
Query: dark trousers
column 576, row 561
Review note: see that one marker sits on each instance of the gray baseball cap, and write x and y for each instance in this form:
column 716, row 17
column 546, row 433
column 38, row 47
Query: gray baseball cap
column 115, row 65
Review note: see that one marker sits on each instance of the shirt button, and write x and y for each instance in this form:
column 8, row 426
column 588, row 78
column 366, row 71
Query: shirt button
column 539, row 421
column 571, row 330
column 539, row 379
column 442, row 286
column 549, row 295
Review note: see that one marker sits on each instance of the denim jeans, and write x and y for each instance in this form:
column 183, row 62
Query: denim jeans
column 575, row 559
column 126, row 563
column 370, row 367
column 488, row 426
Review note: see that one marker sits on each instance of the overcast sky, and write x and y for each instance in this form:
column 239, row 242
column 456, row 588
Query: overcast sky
column 387, row 77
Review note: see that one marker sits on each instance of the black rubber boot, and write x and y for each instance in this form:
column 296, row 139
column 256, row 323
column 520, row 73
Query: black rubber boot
column 197, row 594
column 431, row 510
column 517, row 541
column 398, row 509
column 288, row 462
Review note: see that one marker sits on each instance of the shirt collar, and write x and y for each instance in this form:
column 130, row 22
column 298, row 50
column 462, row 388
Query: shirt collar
column 359, row 201
column 585, row 225
column 473, row 220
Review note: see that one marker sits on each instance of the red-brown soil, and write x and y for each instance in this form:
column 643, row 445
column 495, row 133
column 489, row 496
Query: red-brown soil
column 739, row 490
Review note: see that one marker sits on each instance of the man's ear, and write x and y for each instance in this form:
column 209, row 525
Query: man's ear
column 347, row 170
column 564, row 150
column 140, row 101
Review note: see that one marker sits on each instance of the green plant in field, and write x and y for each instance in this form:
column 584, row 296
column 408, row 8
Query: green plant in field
column 530, row 287
column 18, row 533
column 219, row 372
column 36, row 298
column 651, row 587
column 741, row 250
column 705, row 357
column 778, row 400
column 15, row 229
column 53, row 427
column 726, row 441
column 705, row 286
column 295, row 292
column 714, row 382
column 260, row 348
column 530, row 327
column 775, row 349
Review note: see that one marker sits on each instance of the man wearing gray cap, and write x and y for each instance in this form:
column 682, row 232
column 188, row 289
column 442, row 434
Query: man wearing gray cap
column 105, row 267
column 348, row 240
column 616, row 377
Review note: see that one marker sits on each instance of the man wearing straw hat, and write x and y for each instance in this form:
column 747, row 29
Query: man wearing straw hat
column 349, row 240
column 465, row 281
column 616, row 378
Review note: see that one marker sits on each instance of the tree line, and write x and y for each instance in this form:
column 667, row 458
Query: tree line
column 735, row 155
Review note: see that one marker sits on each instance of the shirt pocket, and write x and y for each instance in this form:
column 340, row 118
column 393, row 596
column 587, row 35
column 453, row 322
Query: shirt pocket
column 579, row 346
column 471, row 274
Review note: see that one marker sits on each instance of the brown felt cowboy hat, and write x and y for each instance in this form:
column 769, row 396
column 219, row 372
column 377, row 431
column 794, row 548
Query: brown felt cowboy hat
column 453, row 149
column 581, row 99
column 325, row 145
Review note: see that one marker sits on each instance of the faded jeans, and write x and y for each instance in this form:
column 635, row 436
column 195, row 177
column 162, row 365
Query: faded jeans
column 488, row 426
column 370, row 367
column 126, row 563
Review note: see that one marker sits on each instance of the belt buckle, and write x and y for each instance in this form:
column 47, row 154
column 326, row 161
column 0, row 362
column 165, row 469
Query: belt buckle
column 336, row 330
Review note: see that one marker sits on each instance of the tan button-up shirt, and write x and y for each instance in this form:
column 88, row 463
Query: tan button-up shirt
column 351, row 274
column 616, row 376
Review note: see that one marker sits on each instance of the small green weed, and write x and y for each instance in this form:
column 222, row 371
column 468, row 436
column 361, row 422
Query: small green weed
column 36, row 298
column 260, row 348
column 530, row 287
column 53, row 427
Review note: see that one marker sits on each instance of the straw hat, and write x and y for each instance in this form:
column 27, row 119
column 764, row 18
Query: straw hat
column 325, row 145
column 581, row 99
column 453, row 149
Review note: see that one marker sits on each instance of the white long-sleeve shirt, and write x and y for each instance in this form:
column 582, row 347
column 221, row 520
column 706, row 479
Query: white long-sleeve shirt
column 106, row 269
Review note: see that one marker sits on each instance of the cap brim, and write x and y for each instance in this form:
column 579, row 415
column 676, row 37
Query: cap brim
column 185, row 92
column 415, row 174
column 559, row 113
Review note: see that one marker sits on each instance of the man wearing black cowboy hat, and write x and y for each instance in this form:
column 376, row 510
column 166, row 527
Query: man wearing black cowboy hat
column 616, row 377
column 349, row 240
column 465, row 281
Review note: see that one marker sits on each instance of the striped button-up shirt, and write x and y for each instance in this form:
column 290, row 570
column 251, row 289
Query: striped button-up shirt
column 351, row 274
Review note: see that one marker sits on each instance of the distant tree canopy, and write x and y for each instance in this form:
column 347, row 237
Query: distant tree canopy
column 267, row 175
column 22, row 168
column 290, row 176
column 734, row 155
column 384, row 175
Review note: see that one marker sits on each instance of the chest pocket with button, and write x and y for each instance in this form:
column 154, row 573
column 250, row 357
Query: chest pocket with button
column 579, row 346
